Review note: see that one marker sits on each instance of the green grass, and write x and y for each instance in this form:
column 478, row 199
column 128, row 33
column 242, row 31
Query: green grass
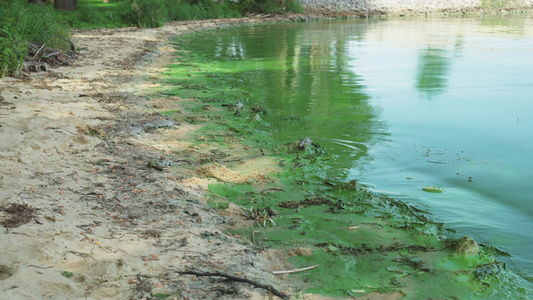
column 144, row 13
column 22, row 23
column 154, row 13
column 497, row 5
column 96, row 14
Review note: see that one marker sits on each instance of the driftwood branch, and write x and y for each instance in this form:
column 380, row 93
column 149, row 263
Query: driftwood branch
column 238, row 279
column 294, row 271
column 37, row 53
column 51, row 54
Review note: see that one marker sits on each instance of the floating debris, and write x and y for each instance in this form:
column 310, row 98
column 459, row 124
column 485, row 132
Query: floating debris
column 466, row 246
column 432, row 189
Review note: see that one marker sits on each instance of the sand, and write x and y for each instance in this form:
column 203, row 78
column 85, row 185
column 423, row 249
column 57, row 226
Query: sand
column 82, row 159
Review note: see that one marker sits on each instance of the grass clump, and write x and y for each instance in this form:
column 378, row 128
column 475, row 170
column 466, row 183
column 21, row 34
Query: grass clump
column 154, row 13
column 147, row 13
column 294, row 7
column 499, row 4
column 97, row 14
column 201, row 9
column 22, row 23
column 271, row 6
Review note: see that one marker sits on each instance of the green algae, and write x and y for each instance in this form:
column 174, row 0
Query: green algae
column 362, row 242
column 372, row 248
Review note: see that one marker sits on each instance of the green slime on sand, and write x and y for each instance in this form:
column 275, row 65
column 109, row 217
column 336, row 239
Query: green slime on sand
column 362, row 242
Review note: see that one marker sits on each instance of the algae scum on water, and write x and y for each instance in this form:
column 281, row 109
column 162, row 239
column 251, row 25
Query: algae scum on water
column 360, row 242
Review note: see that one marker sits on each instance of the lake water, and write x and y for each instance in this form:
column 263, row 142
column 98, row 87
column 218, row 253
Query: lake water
column 407, row 103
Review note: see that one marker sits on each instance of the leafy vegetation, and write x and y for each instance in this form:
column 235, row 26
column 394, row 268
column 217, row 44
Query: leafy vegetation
column 96, row 14
column 271, row 6
column 22, row 23
column 498, row 4
column 294, row 7
column 201, row 9
column 147, row 13
column 154, row 13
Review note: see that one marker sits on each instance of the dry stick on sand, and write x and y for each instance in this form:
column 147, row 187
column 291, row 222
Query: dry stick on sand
column 238, row 279
column 294, row 271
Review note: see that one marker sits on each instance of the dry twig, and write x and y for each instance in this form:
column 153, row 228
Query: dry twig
column 238, row 279
column 37, row 53
column 294, row 271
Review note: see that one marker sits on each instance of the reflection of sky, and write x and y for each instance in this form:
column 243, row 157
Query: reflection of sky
column 479, row 124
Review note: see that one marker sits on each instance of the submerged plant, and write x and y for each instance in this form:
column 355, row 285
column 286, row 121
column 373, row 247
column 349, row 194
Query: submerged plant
column 262, row 217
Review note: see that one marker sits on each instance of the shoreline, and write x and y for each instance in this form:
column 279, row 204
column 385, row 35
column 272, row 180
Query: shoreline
column 312, row 196
column 88, row 206
column 85, row 151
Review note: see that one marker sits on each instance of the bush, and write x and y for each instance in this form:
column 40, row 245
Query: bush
column 294, row 7
column 199, row 9
column 499, row 4
column 147, row 13
column 91, row 16
column 96, row 14
column 22, row 23
column 209, row 9
column 269, row 7
column 13, row 49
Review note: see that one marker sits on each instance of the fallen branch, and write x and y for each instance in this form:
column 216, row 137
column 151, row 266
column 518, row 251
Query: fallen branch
column 40, row 267
column 167, row 94
column 51, row 54
column 294, row 271
column 238, row 279
column 37, row 53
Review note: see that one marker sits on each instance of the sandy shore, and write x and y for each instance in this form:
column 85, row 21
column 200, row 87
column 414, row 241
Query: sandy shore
column 94, row 201
column 81, row 161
